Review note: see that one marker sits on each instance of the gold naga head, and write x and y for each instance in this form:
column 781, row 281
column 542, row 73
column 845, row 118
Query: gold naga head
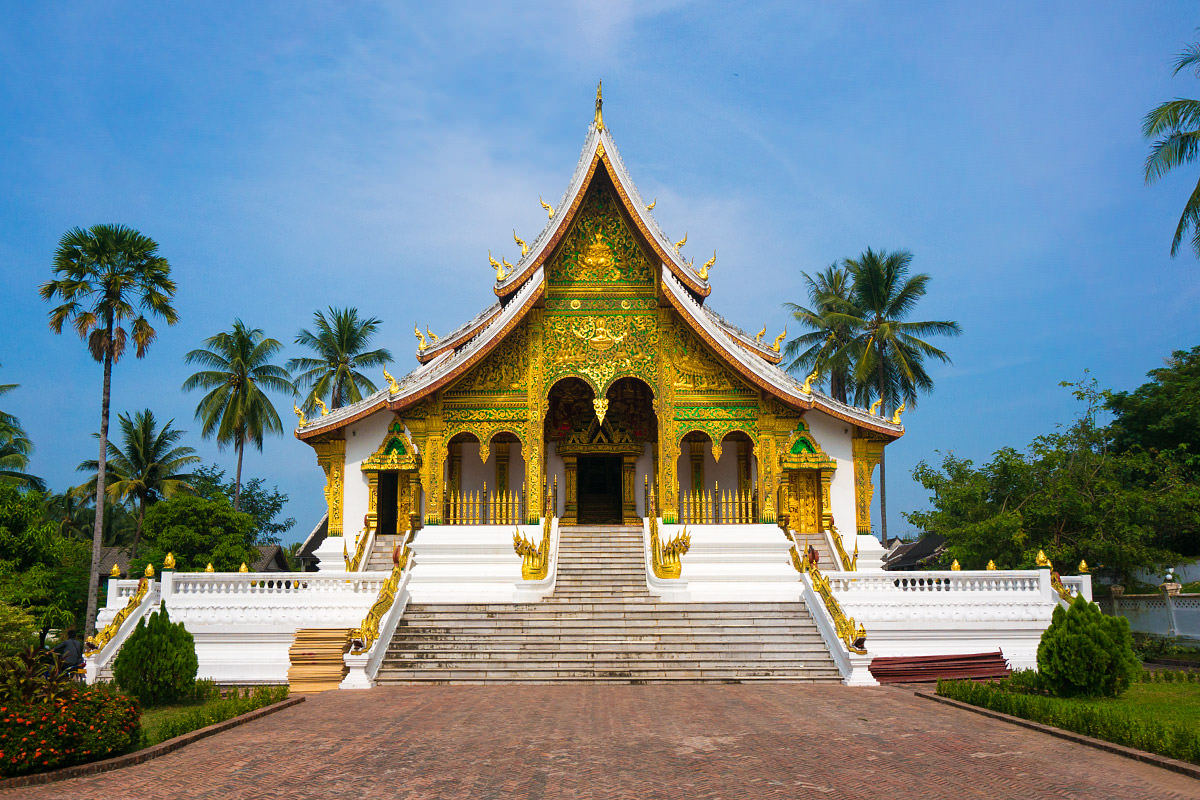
column 433, row 337
column 808, row 382
column 758, row 336
column 549, row 208
column 681, row 243
column 393, row 387
column 521, row 243
column 319, row 403
column 875, row 407
column 707, row 265
column 421, row 343
column 779, row 339
column 299, row 415
column 896, row 416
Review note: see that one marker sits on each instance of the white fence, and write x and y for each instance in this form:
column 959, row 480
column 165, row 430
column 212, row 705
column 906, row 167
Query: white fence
column 1162, row 614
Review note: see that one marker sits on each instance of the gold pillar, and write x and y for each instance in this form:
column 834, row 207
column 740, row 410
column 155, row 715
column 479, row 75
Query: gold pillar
column 826, row 501
column 571, row 510
column 372, row 520
column 331, row 456
column 867, row 453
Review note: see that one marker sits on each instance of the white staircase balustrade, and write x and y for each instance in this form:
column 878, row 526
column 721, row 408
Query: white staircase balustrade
column 98, row 663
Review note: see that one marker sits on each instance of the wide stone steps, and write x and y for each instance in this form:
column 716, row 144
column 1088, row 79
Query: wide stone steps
column 601, row 625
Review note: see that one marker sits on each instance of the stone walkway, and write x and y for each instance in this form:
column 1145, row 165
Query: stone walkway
column 644, row 742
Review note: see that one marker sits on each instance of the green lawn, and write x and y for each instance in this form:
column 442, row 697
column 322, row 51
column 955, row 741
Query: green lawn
column 1164, row 702
column 166, row 722
column 154, row 718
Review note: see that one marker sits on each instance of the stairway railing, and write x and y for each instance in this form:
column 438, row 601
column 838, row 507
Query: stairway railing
column 366, row 541
column 365, row 635
column 849, row 563
column 853, row 635
column 729, row 507
column 485, row 508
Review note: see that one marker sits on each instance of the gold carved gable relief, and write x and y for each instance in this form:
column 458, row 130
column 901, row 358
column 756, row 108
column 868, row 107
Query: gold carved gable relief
column 694, row 368
column 505, row 370
column 600, row 247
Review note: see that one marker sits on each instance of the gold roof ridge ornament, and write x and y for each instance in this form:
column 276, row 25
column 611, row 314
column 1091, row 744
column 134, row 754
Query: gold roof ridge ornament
column 520, row 243
column 758, row 336
column 393, row 387
column 504, row 261
column 499, row 267
column 808, row 382
column 300, row 415
column 433, row 337
column 653, row 203
column 778, row 339
column 896, row 416
column 549, row 208
column 681, row 243
column 874, row 412
column 319, row 403
column 707, row 265
column 422, row 345
column 598, row 120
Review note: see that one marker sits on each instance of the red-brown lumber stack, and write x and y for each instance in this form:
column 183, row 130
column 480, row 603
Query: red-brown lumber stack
column 919, row 669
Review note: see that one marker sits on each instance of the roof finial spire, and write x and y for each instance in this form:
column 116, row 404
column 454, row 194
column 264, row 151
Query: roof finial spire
column 599, row 120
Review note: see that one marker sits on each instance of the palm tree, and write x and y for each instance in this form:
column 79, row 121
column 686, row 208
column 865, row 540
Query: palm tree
column 70, row 511
column 828, row 348
column 236, row 409
column 340, row 344
column 1176, row 123
column 15, row 448
column 106, row 277
column 889, row 351
column 148, row 468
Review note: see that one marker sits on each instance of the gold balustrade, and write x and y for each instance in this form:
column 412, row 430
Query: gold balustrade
column 360, row 550
column 105, row 634
column 365, row 635
column 728, row 507
column 849, row 564
column 484, row 508
column 854, row 636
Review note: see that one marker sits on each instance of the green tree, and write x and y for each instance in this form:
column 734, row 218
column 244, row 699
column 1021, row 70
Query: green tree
column 107, row 277
column 340, row 344
column 158, row 664
column 263, row 505
column 70, row 512
column 197, row 531
column 829, row 345
column 1175, row 128
column 15, row 448
column 148, row 468
column 889, row 350
column 236, row 408
column 41, row 571
column 1085, row 653
column 16, row 630
column 1164, row 413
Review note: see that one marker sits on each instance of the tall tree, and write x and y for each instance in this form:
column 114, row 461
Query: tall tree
column 107, row 277
column 148, row 468
column 236, row 408
column 1176, row 124
column 340, row 343
column 828, row 347
column 15, row 448
column 890, row 351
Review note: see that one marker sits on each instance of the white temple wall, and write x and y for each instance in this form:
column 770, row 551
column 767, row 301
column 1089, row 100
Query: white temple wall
column 362, row 440
column 834, row 437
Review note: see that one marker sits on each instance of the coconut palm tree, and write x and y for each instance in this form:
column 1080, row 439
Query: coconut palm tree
column 236, row 409
column 148, row 468
column 828, row 347
column 889, row 351
column 1176, row 124
column 15, row 448
column 340, row 343
column 108, row 277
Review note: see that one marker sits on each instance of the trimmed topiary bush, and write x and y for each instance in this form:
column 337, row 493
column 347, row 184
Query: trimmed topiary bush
column 1085, row 653
column 157, row 664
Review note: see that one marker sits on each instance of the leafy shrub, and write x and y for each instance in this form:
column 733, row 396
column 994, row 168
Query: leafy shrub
column 219, row 710
column 1086, row 654
column 33, row 675
column 81, row 725
column 157, row 664
column 17, row 629
column 1097, row 720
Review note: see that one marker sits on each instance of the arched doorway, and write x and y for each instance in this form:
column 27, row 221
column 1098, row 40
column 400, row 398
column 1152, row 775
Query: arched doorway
column 603, row 462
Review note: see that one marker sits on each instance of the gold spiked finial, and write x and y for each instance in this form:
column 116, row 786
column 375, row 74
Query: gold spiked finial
column 896, row 416
column 758, row 336
column 549, row 208
column 149, row 573
column 1041, row 559
column 601, row 406
column 599, row 120
column 779, row 339
column 991, row 564
column 169, row 561
column 115, row 572
column 393, row 387
column 653, row 203
column 421, row 343
column 1083, row 568
column 521, row 243
column 955, row 566
column 209, row 568
column 681, row 243
column 808, row 382
column 299, row 415
column 319, row 403
column 875, row 407
column 707, row 265
column 243, row 567
column 433, row 337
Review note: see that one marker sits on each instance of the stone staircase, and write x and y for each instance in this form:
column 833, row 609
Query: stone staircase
column 380, row 558
column 602, row 625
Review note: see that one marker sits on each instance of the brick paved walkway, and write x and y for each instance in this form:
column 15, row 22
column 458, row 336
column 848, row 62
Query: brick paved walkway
column 579, row 741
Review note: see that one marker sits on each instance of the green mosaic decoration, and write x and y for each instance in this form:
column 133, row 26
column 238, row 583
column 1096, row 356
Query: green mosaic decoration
column 395, row 453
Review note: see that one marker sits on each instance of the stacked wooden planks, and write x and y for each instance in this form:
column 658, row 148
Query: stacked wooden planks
column 316, row 658
column 919, row 669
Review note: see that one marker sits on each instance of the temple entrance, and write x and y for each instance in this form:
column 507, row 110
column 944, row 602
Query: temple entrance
column 599, row 490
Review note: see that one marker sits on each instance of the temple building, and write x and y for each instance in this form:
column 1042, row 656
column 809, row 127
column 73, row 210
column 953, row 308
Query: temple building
column 597, row 477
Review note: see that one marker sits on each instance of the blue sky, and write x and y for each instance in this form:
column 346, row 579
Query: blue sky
column 291, row 156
